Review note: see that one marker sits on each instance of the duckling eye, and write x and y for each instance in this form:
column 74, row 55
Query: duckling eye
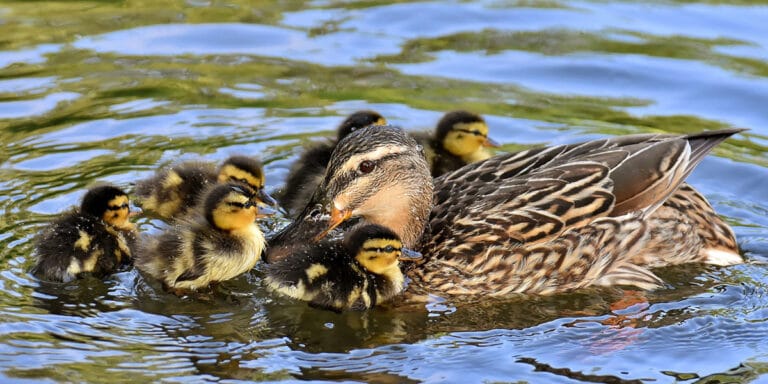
column 367, row 166
column 389, row 249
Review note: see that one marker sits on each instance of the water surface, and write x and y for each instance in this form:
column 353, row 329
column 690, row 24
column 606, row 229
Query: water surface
column 110, row 91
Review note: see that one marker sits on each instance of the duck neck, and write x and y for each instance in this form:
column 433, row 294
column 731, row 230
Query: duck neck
column 403, row 207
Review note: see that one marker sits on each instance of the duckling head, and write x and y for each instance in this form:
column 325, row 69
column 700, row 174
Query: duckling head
column 248, row 171
column 359, row 119
column 110, row 204
column 378, row 250
column 464, row 134
column 378, row 174
column 231, row 207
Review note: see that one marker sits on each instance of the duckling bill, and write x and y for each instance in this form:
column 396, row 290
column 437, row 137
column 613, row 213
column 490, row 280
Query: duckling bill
column 357, row 274
column 219, row 243
column 174, row 191
column 96, row 238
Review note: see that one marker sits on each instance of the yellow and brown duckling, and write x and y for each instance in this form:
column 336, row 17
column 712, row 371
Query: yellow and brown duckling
column 538, row 221
column 357, row 274
column 461, row 138
column 96, row 238
column 219, row 243
column 172, row 192
column 308, row 170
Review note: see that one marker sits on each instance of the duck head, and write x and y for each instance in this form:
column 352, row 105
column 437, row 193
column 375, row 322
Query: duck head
column 464, row 134
column 248, row 171
column 231, row 207
column 357, row 120
column 379, row 175
column 110, row 204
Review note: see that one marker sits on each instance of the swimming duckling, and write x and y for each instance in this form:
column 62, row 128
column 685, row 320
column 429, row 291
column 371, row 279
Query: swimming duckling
column 218, row 243
column 306, row 173
column 97, row 238
column 172, row 192
column 459, row 139
column 539, row 221
column 357, row 274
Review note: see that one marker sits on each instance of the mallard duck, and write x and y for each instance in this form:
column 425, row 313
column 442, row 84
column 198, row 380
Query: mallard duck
column 357, row 274
column 538, row 221
column 221, row 241
column 461, row 138
column 97, row 238
column 308, row 170
column 173, row 191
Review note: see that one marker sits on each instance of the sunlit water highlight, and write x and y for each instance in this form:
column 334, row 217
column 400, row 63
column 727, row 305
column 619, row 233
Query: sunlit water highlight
column 101, row 91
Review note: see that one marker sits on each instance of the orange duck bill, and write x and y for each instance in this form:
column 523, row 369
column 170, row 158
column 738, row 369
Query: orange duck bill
column 337, row 217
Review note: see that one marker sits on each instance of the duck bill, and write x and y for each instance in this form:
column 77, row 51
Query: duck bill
column 407, row 254
column 490, row 143
column 337, row 217
column 263, row 197
column 264, row 211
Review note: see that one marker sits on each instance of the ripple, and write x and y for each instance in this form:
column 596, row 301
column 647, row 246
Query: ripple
column 234, row 38
column 30, row 108
column 664, row 81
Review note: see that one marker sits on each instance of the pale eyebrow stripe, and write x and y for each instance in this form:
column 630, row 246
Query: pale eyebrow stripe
column 351, row 164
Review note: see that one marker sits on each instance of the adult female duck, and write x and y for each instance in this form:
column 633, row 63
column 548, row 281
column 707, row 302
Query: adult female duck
column 537, row 221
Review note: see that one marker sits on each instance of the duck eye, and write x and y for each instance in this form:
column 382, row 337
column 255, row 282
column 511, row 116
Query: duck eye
column 367, row 166
column 389, row 249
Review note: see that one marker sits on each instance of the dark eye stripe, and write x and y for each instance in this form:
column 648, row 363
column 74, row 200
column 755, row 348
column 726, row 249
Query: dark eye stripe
column 387, row 249
column 240, row 205
column 476, row 133
column 118, row 207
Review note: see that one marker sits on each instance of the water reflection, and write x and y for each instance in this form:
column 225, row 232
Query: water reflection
column 110, row 92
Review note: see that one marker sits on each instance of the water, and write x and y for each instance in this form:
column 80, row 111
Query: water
column 108, row 91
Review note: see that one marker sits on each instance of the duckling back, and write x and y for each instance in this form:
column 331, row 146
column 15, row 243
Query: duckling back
column 172, row 192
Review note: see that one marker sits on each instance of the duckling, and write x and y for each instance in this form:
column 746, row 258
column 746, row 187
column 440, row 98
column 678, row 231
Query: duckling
column 357, row 274
column 461, row 138
column 306, row 173
column 97, row 238
column 172, row 192
column 220, row 242
column 539, row 221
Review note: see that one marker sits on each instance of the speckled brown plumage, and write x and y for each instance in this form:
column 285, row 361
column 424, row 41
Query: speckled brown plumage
column 543, row 220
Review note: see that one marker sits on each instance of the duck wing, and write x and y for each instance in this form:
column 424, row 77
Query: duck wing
column 534, row 196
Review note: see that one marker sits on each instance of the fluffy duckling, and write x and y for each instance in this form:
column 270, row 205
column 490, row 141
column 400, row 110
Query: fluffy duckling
column 459, row 139
column 305, row 175
column 172, row 192
column 219, row 243
column 357, row 274
column 97, row 238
